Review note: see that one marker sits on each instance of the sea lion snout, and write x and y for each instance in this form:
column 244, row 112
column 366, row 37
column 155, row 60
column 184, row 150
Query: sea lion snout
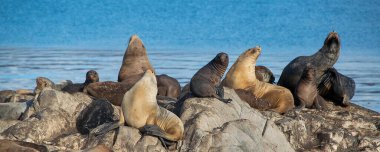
column 333, row 40
column 222, row 58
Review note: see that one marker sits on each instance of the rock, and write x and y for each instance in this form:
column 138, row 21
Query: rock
column 46, row 126
column 335, row 129
column 20, row 95
column 73, row 141
column 12, row 110
column 55, row 116
column 5, row 124
column 8, row 145
column 98, row 148
column 130, row 138
column 211, row 125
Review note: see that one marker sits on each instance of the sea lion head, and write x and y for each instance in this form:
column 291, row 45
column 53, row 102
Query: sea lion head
column 147, row 84
column 222, row 59
column 332, row 43
column 92, row 76
column 135, row 46
column 42, row 83
column 253, row 53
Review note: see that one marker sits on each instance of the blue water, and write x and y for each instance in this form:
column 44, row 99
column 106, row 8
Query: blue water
column 62, row 39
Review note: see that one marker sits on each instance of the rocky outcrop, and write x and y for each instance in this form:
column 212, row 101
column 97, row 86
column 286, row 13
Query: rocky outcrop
column 55, row 114
column 210, row 125
column 334, row 129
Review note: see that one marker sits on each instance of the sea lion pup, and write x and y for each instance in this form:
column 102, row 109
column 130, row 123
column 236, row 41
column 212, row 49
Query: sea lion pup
column 306, row 92
column 140, row 110
column 168, row 86
column 206, row 82
column 91, row 77
column 135, row 61
column 264, row 74
column 322, row 60
column 242, row 76
column 337, row 87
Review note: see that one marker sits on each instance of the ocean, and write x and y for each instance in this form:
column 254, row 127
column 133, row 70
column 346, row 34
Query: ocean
column 64, row 39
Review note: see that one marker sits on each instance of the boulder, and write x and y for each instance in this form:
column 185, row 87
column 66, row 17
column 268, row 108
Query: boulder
column 9, row 145
column 334, row 129
column 55, row 116
column 12, row 110
column 211, row 125
column 130, row 139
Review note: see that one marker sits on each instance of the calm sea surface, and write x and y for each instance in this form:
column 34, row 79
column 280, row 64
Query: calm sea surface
column 62, row 39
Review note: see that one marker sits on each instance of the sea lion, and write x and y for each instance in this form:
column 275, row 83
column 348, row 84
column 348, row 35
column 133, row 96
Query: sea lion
column 337, row 87
column 322, row 60
column 42, row 82
column 168, row 86
column 97, row 113
column 108, row 90
column 306, row 92
column 135, row 61
column 264, row 74
column 206, row 82
column 242, row 76
column 91, row 77
column 140, row 110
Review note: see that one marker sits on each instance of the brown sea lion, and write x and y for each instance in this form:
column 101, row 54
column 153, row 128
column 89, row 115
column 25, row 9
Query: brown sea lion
column 206, row 82
column 242, row 76
column 42, row 82
column 140, row 110
column 111, row 91
column 337, row 87
column 264, row 74
column 91, row 77
column 168, row 86
column 135, row 61
column 306, row 92
column 322, row 60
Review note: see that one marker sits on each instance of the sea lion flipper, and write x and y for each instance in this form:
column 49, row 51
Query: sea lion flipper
column 155, row 130
column 104, row 128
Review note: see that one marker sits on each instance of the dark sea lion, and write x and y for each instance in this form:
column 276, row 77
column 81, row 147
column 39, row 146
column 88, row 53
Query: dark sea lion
column 242, row 75
column 206, row 82
column 18, row 146
column 306, row 92
column 97, row 113
column 111, row 91
column 337, row 87
column 91, row 77
column 140, row 110
column 322, row 60
column 168, row 86
column 264, row 74
column 135, row 61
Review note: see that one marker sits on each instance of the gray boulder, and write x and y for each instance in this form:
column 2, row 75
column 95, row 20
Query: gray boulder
column 211, row 125
column 334, row 129
column 54, row 117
